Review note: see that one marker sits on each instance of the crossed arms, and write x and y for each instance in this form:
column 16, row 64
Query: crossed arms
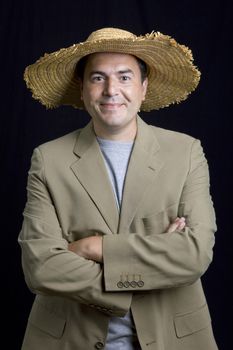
column 91, row 248
column 178, row 256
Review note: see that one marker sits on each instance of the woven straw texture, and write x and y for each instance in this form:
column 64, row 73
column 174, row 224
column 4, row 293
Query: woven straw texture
column 172, row 75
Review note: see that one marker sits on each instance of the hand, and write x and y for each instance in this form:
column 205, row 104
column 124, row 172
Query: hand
column 90, row 248
column 177, row 224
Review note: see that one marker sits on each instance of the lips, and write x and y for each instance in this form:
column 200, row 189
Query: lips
column 111, row 105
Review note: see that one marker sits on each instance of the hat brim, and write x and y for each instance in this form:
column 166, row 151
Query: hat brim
column 172, row 75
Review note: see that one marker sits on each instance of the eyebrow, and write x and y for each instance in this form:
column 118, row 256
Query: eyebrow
column 97, row 72
column 124, row 71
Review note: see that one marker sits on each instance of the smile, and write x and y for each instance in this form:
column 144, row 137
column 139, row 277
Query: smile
column 111, row 105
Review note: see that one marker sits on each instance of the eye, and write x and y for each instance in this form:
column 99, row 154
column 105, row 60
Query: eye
column 125, row 78
column 97, row 78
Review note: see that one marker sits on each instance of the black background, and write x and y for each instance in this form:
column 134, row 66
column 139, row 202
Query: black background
column 28, row 29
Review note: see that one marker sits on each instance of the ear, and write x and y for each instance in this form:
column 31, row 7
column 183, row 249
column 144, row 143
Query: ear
column 144, row 88
column 81, row 88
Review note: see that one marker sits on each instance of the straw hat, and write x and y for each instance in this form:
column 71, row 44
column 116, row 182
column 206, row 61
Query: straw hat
column 171, row 73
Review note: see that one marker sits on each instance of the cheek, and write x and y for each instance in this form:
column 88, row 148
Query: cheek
column 135, row 96
column 87, row 96
column 91, row 94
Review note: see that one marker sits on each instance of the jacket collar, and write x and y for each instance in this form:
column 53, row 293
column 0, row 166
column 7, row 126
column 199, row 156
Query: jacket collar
column 91, row 171
column 144, row 165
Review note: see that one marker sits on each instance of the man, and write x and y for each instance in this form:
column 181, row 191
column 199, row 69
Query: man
column 119, row 223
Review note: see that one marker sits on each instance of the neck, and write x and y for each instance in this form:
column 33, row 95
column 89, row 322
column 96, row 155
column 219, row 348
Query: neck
column 116, row 136
column 128, row 133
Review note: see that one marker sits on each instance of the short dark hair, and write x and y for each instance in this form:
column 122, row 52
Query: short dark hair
column 80, row 67
column 143, row 68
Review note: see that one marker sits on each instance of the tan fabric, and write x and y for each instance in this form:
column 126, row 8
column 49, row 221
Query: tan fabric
column 155, row 273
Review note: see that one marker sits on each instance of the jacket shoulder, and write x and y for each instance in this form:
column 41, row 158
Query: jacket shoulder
column 67, row 140
column 59, row 150
column 174, row 143
column 165, row 135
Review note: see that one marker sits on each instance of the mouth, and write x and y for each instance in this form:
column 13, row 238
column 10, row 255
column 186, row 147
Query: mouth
column 111, row 106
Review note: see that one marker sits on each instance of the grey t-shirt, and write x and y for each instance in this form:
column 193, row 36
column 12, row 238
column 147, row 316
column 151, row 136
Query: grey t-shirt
column 116, row 155
column 121, row 331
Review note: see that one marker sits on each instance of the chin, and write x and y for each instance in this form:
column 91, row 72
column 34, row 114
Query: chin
column 112, row 118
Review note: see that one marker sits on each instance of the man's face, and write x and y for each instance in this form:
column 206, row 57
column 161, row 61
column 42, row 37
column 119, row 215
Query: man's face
column 112, row 91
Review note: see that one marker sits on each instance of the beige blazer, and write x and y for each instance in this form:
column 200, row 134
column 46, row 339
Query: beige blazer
column 156, row 274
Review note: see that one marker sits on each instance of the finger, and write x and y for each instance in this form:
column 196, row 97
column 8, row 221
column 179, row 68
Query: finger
column 181, row 226
column 178, row 224
column 172, row 227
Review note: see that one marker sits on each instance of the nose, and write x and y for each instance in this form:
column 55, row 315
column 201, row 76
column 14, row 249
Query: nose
column 110, row 87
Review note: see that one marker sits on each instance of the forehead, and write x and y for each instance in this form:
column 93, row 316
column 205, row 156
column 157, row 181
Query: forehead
column 105, row 60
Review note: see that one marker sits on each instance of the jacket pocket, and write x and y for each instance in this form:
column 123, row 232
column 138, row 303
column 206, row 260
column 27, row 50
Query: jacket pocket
column 46, row 320
column 192, row 322
column 159, row 222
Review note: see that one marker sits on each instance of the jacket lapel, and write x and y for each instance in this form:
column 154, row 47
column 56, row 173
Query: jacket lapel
column 91, row 172
column 144, row 165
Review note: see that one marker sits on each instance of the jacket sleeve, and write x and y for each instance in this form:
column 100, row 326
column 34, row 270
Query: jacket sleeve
column 164, row 260
column 49, row 267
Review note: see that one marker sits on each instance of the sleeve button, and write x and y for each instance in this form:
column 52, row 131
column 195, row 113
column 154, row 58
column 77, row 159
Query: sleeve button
column 120, row 284
column 133, row 284
column 140, row 283
column 126, row 284
column 99, row 345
